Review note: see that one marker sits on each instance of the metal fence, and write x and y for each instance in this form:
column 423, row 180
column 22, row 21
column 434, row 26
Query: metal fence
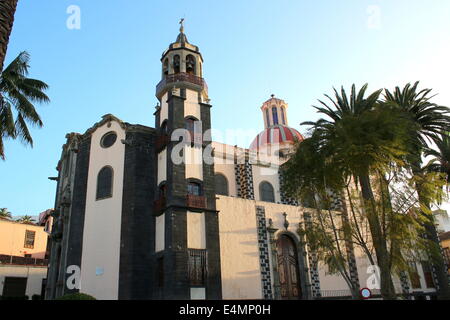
column 23, row 261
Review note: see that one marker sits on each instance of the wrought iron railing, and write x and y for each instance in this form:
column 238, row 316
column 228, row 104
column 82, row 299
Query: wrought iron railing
column 198, row 267
column 24, row 261
column 197, row 202
column 181, row 76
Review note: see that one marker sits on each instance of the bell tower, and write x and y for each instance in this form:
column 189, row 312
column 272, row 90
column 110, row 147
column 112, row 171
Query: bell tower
column 187, row 248
column 274, row 112
column 182, row 62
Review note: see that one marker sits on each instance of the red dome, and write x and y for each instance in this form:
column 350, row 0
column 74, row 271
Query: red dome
column 277, row 134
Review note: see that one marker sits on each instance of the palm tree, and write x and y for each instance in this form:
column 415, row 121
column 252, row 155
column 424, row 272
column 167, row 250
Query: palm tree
column 431, row 120
column 441, row 157
column 361, row 138
column 26, row 219
column 19, row 92
column 4, row 213
column 7, row 11
column 308, row 175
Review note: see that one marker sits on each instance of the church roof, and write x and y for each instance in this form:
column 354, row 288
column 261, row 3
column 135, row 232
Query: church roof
column 182, row 38
column 273, row 100
column 277, row 134
column 181, row 43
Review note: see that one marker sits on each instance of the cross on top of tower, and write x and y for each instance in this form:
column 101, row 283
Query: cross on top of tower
column 181, row 25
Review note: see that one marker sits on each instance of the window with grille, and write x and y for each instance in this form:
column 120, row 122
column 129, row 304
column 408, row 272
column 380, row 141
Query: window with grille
column 426, row 267
column 29, row 239
column 194, row 188
column 414, row 276
column 447, row 256
column 197, row 267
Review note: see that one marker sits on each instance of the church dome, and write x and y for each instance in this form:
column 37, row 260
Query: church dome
column 277, row 134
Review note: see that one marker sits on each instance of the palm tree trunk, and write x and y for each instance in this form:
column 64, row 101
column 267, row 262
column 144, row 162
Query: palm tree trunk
column 7, row 11
column 438, row 262
column 381, row 251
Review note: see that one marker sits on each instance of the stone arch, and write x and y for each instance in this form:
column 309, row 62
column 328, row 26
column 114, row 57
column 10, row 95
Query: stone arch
column 302, row 274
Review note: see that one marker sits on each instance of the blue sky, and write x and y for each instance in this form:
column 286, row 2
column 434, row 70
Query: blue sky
column 297, row 50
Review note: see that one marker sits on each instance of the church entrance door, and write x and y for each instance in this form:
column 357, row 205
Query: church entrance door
column 288, row 268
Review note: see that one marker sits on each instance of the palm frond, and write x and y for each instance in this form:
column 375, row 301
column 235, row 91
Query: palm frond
column 17, row 95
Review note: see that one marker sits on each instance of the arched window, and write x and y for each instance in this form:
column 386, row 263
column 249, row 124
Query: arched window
column 267, row 117
column 166, row 67
column 190, row 64
column 266, row 192
column 104, row 183
column 189, row 122
column 164, row 129
column 195, row 137
column 283, row 118
column 274, row 115
column 176, row 63
column 221, row 184
column 194, row 189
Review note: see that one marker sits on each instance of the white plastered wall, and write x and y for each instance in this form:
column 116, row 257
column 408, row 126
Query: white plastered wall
column 34, row 277
column 191, row 105
column 269, row 174
column 160, row 233
column 162, row 166
column 193, row 159
column 239, row 251
column 164, row 113
column 224, row 164
column 102, row 225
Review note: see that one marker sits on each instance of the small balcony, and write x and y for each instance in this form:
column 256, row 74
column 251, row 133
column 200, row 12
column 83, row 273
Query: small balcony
column 161, row 142
column 187, row 78
column 159, row 205
column 195, row 202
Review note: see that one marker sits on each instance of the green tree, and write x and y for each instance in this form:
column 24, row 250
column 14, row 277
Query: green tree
column 19, row 93
column 430, row 120
column 7, row 11
column 441, row 157
column 363, row 138
column 308, row 176
column 26, row 219
column 4, row 213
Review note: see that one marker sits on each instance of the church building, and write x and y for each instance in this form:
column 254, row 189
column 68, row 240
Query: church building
column 166, row 213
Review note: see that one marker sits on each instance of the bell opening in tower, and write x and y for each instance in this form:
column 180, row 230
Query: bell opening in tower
column 176, row 64
column 190, row 64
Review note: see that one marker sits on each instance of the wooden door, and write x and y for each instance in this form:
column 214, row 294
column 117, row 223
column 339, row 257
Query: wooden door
column 288, row 268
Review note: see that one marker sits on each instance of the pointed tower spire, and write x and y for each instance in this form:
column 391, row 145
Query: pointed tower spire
column 182, row 37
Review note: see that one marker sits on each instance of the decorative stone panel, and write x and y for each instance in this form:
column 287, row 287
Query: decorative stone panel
column 263, row 244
